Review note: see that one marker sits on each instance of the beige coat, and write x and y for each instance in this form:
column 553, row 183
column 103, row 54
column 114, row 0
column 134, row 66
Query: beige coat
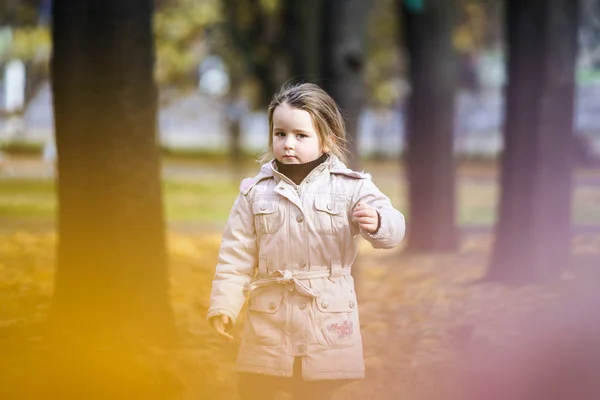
column 291, row 249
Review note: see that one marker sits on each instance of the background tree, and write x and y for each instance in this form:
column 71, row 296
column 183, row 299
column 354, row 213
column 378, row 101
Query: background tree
column 533, row 233
column 255, row 31
column 344, row 27
column 111, row 272
column 430, row 120
column 327, row 44
column 312, row 41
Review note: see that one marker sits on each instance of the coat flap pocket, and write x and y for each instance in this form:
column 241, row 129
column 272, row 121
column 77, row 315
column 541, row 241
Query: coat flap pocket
column 328, row 204
column 329, row 304
column 264, row 207
column 267, row 300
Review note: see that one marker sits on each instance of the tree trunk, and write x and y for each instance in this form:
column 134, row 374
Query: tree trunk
column 344, row 28
column 303, row 30
column 533, row 233
column 430, row 121
column 111, row 268
column 255, row 33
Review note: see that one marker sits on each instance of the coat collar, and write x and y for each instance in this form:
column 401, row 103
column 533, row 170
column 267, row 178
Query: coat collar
column 332, row 165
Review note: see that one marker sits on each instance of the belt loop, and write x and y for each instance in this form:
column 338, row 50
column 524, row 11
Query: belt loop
column 336, row 268
column 262, row 267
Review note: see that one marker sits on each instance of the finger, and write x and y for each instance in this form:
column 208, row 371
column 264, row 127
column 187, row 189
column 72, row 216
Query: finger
column 221, row 331
column 368, row 228
column 368, row 222
column 367, row 219
column 364, row 216
column 364, row 213
column 219, row 324
column 225, row 325
column 365, row 223
column 360, row 206
column 364, row 207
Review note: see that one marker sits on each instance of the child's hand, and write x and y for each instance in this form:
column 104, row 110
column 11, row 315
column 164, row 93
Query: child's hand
column 220, row 324
column 366, row 217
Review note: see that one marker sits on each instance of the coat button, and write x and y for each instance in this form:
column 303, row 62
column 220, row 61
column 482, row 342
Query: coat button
column 302, row 264
column 324, row 304
column 272, row 305
column 301, row 348
column 263, row 207
column 302, row 306
column 329, row 206
column 351, row 304
column 299, row 218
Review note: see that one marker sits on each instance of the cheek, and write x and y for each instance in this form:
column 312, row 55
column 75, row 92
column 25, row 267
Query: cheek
column 319, row 146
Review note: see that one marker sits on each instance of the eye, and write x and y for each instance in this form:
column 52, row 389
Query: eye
column 301, row 135
column 279, row 134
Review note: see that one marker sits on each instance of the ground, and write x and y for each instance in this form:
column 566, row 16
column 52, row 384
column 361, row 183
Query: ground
column 418, row 312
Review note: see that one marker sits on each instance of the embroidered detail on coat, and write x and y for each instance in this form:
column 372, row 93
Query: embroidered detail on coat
column 343, row 330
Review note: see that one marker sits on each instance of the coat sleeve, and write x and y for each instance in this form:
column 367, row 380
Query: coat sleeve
column 392, row 228
column 237, row 262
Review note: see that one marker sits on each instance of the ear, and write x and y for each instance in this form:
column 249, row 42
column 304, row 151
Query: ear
column 326, row 146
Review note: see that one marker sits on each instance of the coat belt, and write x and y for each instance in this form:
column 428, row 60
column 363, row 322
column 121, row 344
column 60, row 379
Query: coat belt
column 286, row 277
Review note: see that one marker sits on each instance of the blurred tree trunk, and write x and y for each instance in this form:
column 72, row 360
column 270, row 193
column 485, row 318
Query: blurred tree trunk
column 233, row 118
column 320, row 41
column 430, row 122
column 111, row 273
column 303, row 30
column 255, row 32
column 344, row 29
column 533, row 233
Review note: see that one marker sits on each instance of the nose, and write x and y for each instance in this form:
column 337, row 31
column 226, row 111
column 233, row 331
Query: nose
column 289, row 143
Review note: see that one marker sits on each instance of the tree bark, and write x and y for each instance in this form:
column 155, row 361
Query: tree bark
column 533, row 232
column 430, row 121
column 303, row 32
column 112, row 265
column 344, row 29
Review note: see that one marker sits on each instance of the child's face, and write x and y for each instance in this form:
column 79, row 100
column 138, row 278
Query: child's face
column 295, row 139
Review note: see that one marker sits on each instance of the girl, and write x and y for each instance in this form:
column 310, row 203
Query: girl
column 289, row 245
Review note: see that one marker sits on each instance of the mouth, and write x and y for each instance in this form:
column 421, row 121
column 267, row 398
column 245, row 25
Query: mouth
column 289, row 156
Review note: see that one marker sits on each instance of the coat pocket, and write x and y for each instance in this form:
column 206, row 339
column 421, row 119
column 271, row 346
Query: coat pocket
column 329, row 216
column 265, row 322
column 267, row 217
column 336, row 321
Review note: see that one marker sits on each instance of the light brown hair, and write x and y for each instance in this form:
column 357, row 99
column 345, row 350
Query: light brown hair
column 325, row 114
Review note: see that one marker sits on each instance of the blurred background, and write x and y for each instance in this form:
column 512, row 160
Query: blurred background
column 125, row 130
column 219, row 63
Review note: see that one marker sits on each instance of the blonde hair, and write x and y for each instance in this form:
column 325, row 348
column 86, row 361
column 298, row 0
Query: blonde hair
column 326, row 116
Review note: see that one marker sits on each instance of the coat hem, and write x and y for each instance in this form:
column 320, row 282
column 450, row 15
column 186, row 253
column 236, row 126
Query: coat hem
column 259, row 369
column 312, row 376
column 334, row 375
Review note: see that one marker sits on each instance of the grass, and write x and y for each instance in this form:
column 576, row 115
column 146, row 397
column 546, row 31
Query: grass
column 200, row 193
column 199, row 201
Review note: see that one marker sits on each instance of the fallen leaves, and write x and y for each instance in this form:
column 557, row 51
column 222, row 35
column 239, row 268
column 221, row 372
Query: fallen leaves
column 416, row 313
